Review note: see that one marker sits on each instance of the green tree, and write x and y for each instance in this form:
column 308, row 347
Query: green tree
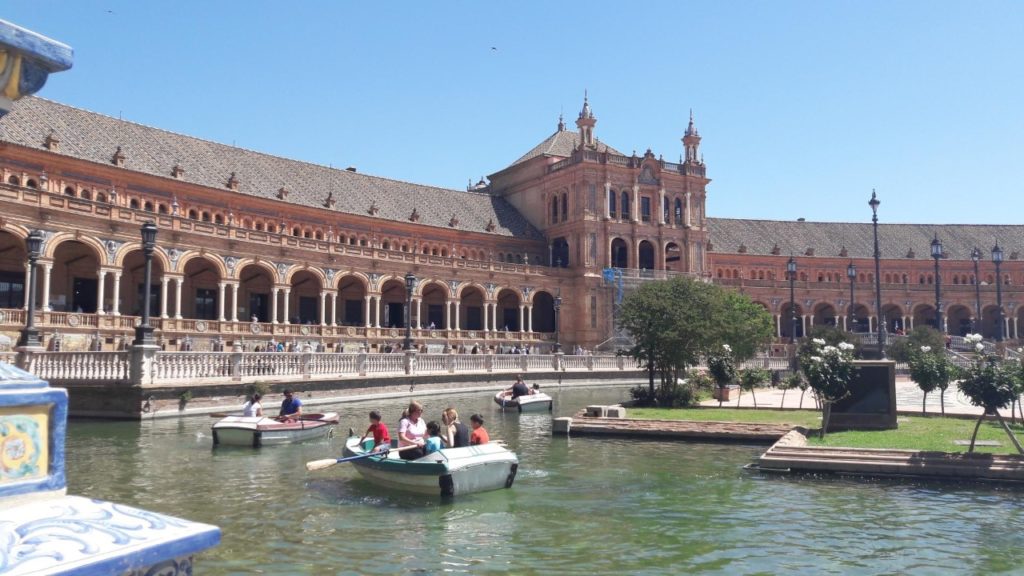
column 901, row 348
column 751, row 378
column 722, row 367
column 931, row 370
column 674, row 323
column 989, row 383
column 829, row 370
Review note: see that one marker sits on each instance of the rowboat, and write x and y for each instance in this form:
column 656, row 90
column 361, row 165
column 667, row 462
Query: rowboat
column 448, row 472
column 535, row 402
column 259, row 431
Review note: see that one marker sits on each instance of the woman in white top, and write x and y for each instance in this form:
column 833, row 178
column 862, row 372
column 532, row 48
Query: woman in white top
column 253, row 406
column 412, row 431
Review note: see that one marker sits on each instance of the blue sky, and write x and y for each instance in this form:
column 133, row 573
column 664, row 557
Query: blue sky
column 804, row 107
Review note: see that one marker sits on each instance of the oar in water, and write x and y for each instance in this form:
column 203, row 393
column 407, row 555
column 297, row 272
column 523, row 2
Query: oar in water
column 328, row 462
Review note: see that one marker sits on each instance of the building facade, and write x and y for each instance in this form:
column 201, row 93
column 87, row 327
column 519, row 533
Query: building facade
column 256, row 250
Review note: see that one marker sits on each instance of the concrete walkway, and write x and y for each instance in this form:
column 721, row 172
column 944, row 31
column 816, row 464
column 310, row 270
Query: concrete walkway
column 908, row 399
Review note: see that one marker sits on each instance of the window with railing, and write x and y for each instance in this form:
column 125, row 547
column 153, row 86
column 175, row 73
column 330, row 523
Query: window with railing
column 645, row 209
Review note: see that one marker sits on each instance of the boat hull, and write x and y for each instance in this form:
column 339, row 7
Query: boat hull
column 450, row 472
column 536, row 402
column 261, row 431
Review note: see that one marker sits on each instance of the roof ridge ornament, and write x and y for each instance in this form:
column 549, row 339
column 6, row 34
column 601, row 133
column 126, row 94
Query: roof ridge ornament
column 282, row 192
column 118, row 158
column 491, row 226
column 415, row 216
column 329, row 201
column 233, row 182
column 454, row 221
column 52, row 142
column 177, row 171
column 373, row 208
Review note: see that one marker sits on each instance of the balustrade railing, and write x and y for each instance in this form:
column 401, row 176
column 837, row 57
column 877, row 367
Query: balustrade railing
column 79, row 366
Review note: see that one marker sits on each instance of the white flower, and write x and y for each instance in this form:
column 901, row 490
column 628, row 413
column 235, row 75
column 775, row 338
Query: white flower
column 829, row 350
column 819, row 341
column 972, row 338
column 845, row 346
column 815, row 358
column 926, row 348
column 979, row 347
column 727, row 347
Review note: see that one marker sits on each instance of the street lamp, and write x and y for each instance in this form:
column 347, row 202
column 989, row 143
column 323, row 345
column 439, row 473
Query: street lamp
column 410, row 285
column 144, row 332
column 29, row 334
column 976, row 256
column 874, row 202
column 937, row 254
column 997, row 259
column 558, row 307
column 851, row 273
column 791, row 272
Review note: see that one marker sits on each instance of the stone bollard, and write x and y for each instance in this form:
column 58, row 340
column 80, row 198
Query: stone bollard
column 561, row 425
column 615, row 412
column 597, row 411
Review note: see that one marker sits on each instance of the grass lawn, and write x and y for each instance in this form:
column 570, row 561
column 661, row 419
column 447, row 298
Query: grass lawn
column 929, row 434
column 808, row 418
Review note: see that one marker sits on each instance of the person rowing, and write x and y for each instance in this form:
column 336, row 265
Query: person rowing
column 518, row 389
column 291, row 407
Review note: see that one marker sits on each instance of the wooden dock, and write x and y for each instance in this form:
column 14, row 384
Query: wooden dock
column 676, row 429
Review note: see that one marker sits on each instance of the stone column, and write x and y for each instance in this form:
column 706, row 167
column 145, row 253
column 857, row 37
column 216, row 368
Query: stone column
column 27, row 283
column 522, row 325
column 101, row 277
column 334, row 308
column 367, row 300
column 636, row 203
column 220, row 301
column 778, row 325
column 47, row 269
column 117, row 293
column 607, row 199
column 323, row 308
column 273, row 305
column 661, row 206
column 284, row 305
column 419, row 314
column 163, row 296
column 447, row 314
column 687, row 219
column 529, row 318
column 487, row 312
column 458, row 325
column 376, row 311
column 177, row 297
column 234, row 302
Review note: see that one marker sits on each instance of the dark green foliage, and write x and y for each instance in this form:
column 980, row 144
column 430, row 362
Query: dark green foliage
column 989, row 383
column 679, row 395
column 901, row 349
column 829, row 370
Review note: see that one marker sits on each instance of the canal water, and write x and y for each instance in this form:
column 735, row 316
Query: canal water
column 578, row 506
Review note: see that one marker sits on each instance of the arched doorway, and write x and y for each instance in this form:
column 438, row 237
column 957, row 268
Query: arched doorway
column 786, row 322
column 620, row 253
column 508, row 311
column 352, row 293
column 471, row 309
column 990, row 322
column 924, row 315
column 304, row 305
column 860, row 322
column 893, row 318
column 673, row 257
column 255, row 290
column 133, row 282
column 200, row 291
column 543, row 317
column 824, row 315
column 645, row 259
column 560, row 253
column 435, row 299
column 12, row 271
column 959, row 320
column 74, row 285
column 392, row 304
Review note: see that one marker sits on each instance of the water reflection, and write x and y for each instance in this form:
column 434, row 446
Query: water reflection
column 578, row 506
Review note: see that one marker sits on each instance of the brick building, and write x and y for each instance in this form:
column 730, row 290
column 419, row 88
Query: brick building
column 255, row 249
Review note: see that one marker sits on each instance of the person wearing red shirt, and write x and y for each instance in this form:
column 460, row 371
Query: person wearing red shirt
column 479, row 434
column 381, row 438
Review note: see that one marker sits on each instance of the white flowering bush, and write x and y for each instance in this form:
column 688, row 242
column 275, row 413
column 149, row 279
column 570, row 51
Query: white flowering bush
column 829, row 371
column 931, row 371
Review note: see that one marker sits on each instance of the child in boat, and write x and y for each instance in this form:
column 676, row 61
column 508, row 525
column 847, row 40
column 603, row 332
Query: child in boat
column 253, row 407
column 479, row 434
column 379, row 430
column 433, row 443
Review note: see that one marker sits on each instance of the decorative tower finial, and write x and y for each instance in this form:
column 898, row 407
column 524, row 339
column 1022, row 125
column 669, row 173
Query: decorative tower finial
column 691, row 143
column 586, row 123
column 561, row 123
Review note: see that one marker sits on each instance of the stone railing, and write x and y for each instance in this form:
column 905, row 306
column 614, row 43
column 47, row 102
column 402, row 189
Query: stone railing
column 153, row 367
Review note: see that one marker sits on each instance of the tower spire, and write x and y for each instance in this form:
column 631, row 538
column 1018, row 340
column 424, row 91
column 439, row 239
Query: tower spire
column 691, row 143
column 586, row 122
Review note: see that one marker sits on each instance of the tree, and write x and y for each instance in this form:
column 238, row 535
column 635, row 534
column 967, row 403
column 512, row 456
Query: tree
column 901, row 348
column 931, row 370
column 722, row 368
column 751, row 378
column 989, row 383
column 829, row 370
column 676, row 322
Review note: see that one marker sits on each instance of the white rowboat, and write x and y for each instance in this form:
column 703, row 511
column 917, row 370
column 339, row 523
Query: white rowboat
column 259, row 431
column 535, row 402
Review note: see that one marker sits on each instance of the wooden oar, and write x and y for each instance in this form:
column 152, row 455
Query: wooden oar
column 328, row 462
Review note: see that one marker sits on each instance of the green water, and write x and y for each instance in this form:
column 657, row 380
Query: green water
column 578, row 506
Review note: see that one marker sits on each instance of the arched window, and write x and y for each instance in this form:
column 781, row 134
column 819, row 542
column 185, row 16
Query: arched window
column 612, row 204
column 554, row 209
column 625, row 205
column 218, row 218
column 719, row 272
column 133, row 203
column 307, row 234
column 206, row 216
column 760, row 274
column 148, row 206
column 86, row 195
column 193, row 215
column 386, row 245
column 405, row 247
column 258, row 226
column 753, row 274
column 679, row 212
column 31, row 184
column 14, row 180
column 69, row 191
column 519, row 258
column 565, row 206
column 318, row 235
column 444, row 252
column 101, row 197
column 160, row 208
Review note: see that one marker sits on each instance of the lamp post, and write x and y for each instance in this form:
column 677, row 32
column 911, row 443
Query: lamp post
column 410, row 285
column 558, row 308
column 997, row 259
column 791, row 272
column 30, row 334
column 874, row 202
column 144, row 332
column 976, row 256
column 851, row 273
column 937, row 254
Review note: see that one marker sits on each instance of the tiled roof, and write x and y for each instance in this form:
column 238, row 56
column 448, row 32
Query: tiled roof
column 895, row 241
column 94, row 137
column 561, row 143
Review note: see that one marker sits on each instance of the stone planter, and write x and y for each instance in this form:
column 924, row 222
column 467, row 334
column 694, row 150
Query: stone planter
column 722, row 394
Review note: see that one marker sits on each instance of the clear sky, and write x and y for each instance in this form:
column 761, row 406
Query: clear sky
column 804, row 107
